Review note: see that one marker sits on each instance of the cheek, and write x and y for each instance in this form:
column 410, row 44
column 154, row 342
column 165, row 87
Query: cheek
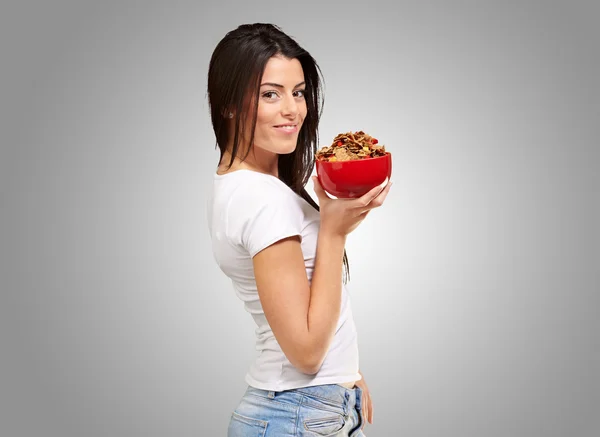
column 265, row 119
column 303, row 109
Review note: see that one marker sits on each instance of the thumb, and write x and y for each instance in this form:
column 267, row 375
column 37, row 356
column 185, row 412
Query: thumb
column 318, row 188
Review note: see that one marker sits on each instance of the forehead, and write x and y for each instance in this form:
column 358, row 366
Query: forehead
column 286, row 72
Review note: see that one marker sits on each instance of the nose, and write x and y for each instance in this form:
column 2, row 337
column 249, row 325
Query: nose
column 290, row 107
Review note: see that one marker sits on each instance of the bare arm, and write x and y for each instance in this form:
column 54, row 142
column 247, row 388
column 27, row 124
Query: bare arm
column 302, row 316
column 326, row 293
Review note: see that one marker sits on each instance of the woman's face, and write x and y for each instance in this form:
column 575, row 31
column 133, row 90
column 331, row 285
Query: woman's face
column 281, row 106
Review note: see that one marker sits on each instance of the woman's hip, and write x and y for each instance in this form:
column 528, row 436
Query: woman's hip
column 324, row 410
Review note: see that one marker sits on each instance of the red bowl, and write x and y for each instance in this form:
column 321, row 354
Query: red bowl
column 351, row 179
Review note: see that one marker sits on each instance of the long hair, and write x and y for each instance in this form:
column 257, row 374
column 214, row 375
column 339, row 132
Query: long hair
column 235, row 71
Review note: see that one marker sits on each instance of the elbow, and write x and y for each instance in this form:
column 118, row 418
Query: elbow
column 308, row 368
column 307, row 357
column 310, row 365
column 311, row 369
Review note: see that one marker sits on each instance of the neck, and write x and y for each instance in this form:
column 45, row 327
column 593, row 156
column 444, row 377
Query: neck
column 258, row 160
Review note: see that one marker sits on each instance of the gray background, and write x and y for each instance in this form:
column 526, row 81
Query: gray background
column 475, row 287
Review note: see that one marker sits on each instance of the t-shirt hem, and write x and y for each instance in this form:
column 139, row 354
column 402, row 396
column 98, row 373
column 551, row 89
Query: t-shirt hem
column 289, row 385
column 286, row 234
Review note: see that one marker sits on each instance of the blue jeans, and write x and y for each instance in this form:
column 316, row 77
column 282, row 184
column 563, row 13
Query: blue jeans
column 323, row 410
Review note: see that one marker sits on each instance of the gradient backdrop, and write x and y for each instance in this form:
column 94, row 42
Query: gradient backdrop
column 475, row 287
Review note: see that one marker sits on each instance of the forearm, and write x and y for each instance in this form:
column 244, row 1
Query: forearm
column 325, row 294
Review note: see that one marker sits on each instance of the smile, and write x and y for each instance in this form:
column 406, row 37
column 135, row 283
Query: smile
column 288, row 129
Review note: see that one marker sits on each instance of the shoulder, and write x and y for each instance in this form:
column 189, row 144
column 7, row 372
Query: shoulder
column 255, row 191
column 262, row 210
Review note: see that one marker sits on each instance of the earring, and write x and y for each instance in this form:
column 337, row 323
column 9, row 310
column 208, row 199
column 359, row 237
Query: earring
column 230, row 115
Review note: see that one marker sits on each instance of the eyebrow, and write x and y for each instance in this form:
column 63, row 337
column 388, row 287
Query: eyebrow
column 280, row 86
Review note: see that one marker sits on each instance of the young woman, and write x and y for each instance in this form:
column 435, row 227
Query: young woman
column 284, row 253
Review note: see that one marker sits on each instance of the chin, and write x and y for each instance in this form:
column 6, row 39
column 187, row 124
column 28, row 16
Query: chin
column 284, row 148
column 288, row 150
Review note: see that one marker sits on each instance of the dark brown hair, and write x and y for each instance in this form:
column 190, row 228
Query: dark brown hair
column 234, row 75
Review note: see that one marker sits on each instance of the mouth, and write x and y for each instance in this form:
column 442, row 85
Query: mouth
column 287, row 128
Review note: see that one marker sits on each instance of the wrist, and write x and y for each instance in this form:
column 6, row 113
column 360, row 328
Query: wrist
column 332, row 236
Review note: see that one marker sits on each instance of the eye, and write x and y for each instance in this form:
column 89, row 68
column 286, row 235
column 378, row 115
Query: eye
column 270, row 95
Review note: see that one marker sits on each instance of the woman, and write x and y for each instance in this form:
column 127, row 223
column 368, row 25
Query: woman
column 283, row 252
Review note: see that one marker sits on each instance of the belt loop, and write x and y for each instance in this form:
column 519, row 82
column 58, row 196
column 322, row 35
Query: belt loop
column 271, row 394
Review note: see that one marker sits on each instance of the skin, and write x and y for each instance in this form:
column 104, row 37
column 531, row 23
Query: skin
column 276, row 106
column 367, row 405
column 283, row 263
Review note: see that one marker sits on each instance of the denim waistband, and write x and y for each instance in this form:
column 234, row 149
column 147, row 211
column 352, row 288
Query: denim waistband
column 331, row 392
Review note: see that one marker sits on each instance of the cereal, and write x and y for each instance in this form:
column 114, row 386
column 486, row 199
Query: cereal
column 351, row 146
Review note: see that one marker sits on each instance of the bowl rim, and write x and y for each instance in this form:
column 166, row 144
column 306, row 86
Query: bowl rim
column 387, row 154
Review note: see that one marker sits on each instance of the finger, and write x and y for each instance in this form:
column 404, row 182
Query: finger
column 371, row 410
column 365, row 409
column 368, row 197
column 378, row 200
column 319, row 191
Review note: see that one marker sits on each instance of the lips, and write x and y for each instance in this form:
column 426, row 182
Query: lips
column 287, row 128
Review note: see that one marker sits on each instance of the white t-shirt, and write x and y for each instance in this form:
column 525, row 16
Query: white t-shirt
column 247, row 212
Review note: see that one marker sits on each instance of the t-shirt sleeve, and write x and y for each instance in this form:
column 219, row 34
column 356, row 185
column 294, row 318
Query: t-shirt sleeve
column 261, row 214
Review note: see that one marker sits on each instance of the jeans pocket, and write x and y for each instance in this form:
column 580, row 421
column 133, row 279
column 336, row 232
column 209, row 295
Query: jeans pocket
column 242, row 426
column 325, row 426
